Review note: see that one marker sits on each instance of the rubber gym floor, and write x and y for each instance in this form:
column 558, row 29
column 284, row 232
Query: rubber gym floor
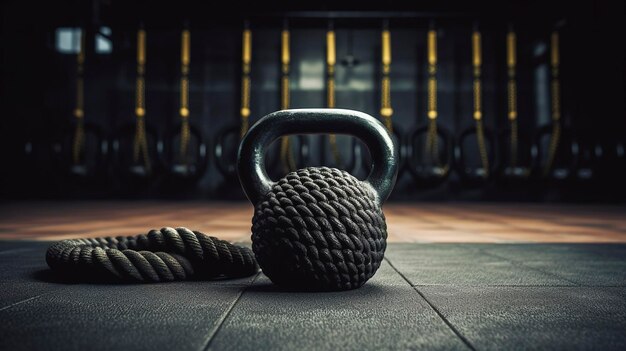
column 455, row 276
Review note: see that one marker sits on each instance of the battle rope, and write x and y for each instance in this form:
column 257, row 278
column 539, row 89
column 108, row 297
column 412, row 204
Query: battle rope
column 555, row 88
column 79, row 113
column 161, row 255
column 286, row 154
column 386, row 111
column 140, row 143
column 331, row 60
column 185, row 133
column 512, row 96
column 478, row 115
column 246, row 57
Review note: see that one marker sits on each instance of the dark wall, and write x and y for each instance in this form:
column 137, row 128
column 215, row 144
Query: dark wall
column 38, row 83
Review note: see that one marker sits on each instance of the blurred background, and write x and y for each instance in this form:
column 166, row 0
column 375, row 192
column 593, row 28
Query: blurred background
column 516, row 101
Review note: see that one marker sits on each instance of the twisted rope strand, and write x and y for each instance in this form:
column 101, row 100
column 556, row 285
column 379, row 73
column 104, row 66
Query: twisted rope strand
column 161, row 255
column 319, row 228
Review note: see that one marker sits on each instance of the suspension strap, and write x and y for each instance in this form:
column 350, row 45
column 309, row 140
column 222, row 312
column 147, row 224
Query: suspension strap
column 431, row 151
column 555, row 91
column 511, row 61
column 286, row 154
column 331, row 60
column 185, row 133
column 386, row 111
column 140, row 143
column 161, row 255
column 478, row 115
column 246, row 57
column 79, row 112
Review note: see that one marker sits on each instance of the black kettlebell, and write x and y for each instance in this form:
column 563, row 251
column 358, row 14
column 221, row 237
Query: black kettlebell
column 318, row 228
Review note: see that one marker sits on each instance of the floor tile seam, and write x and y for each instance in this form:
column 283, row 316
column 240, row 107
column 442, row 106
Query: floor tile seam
column 450, row 326
column 215, row 330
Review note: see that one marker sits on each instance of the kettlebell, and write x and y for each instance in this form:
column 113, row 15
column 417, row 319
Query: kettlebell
column 318, row 228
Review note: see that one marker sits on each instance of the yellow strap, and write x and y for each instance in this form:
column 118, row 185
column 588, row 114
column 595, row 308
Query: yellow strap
column 432, row 47
column 511, row 60
column 477, row 62
column 79, row 111
column 330, row 68
column 285, row 57
column 80, row 60
column 140, row 143
column 246, row 58
column 331, row 59
column 478, row 115
column 556, row 84
column 555, row 91
column 185, row 59
column 554, row 52
column 432, row 74
column 247, row 47
column 140, row 108
column 431, row 151
column 286, row 154
column 185, row 53
column 79, row 132
column 141, row 47
column 386, row 47
column 511, row 50
column 476, row 49
column 386, row 111
column 331, row 56
column 185, row 48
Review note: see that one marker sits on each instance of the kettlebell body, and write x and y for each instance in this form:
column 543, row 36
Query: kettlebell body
column 318, row 228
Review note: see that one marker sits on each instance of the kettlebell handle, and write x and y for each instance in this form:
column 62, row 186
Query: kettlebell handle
column 251, row 158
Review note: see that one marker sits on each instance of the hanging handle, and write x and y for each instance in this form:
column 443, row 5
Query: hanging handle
column 140, row 108
column 251, row 160
column 246, row 58
column 556, row 84
column 432, row 74
column 185, row 53
column 331, row 60
column 386, row 111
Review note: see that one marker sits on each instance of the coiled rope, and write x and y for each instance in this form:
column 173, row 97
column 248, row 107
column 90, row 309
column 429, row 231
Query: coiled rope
column 161, row 255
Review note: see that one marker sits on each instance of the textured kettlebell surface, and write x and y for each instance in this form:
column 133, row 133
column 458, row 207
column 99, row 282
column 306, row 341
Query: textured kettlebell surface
column 319, row 228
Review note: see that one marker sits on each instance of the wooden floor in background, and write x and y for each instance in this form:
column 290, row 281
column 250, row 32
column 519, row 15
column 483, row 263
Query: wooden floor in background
column 408, row 222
